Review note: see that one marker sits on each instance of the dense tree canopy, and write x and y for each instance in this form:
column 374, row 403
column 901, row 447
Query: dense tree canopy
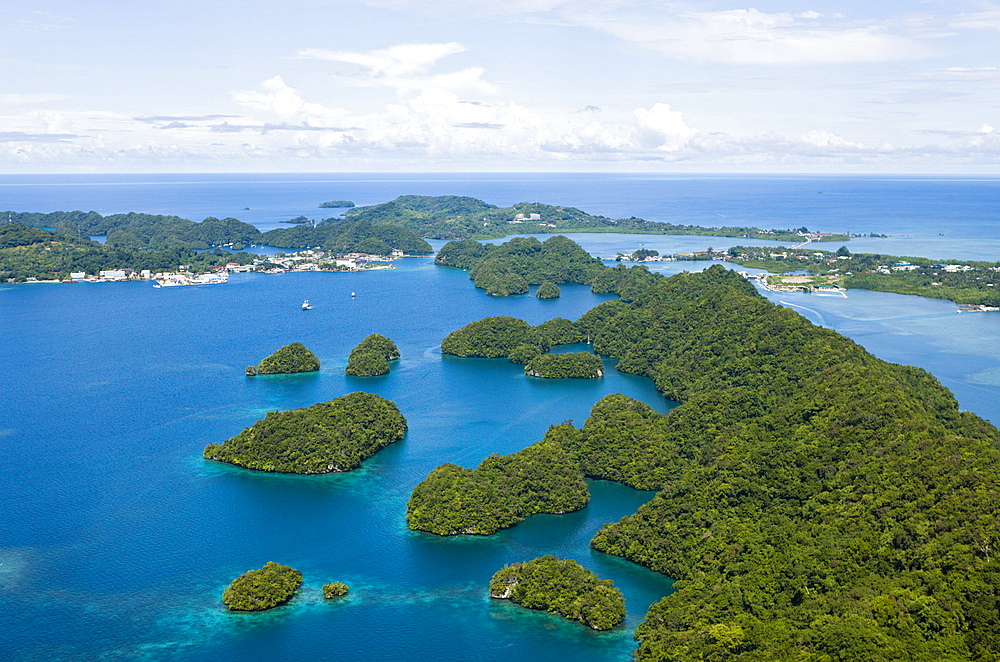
column 817, row 503
column 502, row 491
column 562, row 587
column 289, row 359
column 569, row 365
column 548, row 290
column 326, row 437
column 267, row 587
column 371, row 356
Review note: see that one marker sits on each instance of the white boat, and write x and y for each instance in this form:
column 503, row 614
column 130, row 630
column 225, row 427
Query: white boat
column 352, row 295
column 306, row 305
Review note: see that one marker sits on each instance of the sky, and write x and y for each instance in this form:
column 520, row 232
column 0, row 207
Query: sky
column 499, row 86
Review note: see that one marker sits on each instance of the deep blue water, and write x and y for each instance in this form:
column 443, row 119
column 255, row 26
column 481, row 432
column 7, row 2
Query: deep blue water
column 117, row 538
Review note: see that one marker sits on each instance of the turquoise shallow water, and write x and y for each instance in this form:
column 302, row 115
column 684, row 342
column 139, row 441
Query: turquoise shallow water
column 117, row 538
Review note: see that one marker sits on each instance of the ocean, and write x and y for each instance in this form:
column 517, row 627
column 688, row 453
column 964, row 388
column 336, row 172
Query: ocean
column 117, row 537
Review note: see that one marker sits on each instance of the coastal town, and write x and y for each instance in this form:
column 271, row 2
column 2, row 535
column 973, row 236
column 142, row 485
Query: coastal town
column 307, row 260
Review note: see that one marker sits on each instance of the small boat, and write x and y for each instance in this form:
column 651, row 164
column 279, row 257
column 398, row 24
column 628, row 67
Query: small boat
column 306, row 305
column 352, row 295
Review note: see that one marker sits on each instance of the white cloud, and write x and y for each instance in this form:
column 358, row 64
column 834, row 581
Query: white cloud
column 401, row 60
column 985, row 20
column 986, row 129
column 753, row 37
column 284, row 103
column 661, row 128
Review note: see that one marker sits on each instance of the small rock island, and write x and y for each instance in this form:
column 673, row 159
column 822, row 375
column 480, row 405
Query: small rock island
column 267, row 587
column 335, row 590
column 371, row 357
column 288, row 360
column 570, row 365
column 562, row 587
column 326, row 437
column 336, row 204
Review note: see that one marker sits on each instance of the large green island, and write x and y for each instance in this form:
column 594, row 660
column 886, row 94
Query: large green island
column 326, row 437
column 816, row 503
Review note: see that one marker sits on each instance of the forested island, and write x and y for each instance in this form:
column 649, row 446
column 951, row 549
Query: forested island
column 569, row 365
column 563, row 587
column 326, row 437
column 336, row 204
column 816, row 503
column 265, row 588
column 502, row 491
column 371, row 357
column 457, row 217
column 509, row 337
column 290, row 359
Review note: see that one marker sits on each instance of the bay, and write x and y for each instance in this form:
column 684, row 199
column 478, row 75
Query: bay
column 117, row 538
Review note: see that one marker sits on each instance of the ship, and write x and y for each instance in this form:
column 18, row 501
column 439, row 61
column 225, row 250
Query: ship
column 306, row 305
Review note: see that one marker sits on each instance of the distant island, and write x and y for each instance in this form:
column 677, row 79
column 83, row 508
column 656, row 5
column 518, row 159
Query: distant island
column 371, row 357
column 290, row 359
column 326, row 437
column 298, row 220
column 336, row 204
column 548, row 290
column 265, row 588
column 457, row 217
column 568, row 365
column 563, row 587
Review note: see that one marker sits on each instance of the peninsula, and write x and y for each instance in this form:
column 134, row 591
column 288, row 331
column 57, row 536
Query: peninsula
column 326, row 437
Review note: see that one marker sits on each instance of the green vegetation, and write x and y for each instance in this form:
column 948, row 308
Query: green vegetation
column 512, row 266
column 454, row 217
column 817, row 503
column 964, row 282
column 326, row 437
column 290, row 359
column 569, row 365
column 502, row 491
column 336, row 204
column 509, row 337
column 335, row 590
column 490, row 338
column 562, row 587
column 268, row 587
column 341, row 236
column 371, row 357
column 27, row 252
column 548, row 290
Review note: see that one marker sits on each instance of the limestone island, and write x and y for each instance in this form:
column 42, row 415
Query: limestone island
column 326, row 437
column 371, row 357
column 257, row 590
column 548, row 290
column 571, row 365
column 562, row 587
column 510, row 337
column 288, row 360
column 335, row 590
column 336, row 204
column 502, row 491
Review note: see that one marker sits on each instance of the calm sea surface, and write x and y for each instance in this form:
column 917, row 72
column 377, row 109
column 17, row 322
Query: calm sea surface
column 117, row 538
